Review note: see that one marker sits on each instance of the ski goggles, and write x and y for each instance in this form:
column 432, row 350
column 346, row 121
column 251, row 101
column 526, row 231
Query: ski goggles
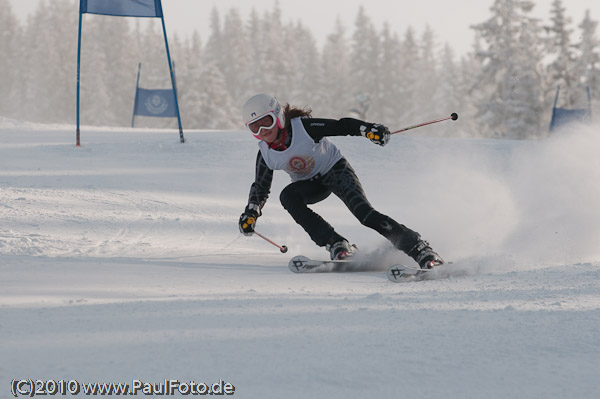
column 266, row 122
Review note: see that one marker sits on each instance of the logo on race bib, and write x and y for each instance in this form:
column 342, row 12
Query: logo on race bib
column 301, row 165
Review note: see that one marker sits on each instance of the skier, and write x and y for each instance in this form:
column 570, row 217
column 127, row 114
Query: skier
column 293, row 141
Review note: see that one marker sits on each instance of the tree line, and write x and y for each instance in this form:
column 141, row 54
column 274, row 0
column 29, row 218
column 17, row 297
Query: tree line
column 504, row 87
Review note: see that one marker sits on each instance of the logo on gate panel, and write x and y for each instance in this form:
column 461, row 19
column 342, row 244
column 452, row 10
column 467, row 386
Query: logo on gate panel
column 156, row 104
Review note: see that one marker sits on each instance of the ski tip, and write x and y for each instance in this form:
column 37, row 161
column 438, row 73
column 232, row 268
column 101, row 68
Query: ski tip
column 296, row 264
column 401, row 273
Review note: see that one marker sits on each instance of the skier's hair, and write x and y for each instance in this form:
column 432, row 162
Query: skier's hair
column 292, row 112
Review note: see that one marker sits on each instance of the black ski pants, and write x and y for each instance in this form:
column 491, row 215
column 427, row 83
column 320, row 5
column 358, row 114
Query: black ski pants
column 343, row 182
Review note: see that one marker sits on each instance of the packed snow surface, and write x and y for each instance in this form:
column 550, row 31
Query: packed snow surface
column 121, row 261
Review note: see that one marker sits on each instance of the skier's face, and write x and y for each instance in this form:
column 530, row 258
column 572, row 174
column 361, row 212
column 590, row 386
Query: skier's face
column 268, row 135
column 265, row 128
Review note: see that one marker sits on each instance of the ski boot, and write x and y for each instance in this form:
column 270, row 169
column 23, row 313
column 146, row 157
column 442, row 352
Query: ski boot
column 341, row 250
column 426, row 257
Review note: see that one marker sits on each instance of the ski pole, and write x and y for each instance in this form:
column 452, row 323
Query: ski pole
column 282, row 248
column 453, row 116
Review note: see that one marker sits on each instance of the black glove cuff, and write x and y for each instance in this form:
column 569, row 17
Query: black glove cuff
column 252, row 210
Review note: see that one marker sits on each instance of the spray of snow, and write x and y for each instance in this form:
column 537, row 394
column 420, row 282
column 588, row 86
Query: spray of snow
column 536, row 203
column 558, row 193
column 486, row 202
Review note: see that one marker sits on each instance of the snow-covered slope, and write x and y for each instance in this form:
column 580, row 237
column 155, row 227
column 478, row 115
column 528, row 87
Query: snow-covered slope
column 121, row 260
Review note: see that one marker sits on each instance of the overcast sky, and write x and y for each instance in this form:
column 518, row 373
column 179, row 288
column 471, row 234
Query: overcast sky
column 450, row 20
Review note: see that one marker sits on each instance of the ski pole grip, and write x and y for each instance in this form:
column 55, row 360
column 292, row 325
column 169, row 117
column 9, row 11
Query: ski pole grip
column 251, row 220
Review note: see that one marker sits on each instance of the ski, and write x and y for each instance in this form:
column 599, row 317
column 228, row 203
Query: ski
column 402, row 274
column 398, row 273
column 302, row 264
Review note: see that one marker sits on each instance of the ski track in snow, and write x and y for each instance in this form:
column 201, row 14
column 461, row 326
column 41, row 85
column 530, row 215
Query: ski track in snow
column 121, row 260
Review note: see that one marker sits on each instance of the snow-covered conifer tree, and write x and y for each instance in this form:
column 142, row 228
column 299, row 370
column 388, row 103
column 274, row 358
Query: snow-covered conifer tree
column 114, row 39
column 391, row 78
column 335, row 97
column 587, row 65
column 427, row 81
column 10, row 35
column 214, row 51
column 238, row 57
column 49, row 48
column 268, row 66
column 561, row 68
column 216, row 109
column 451, row 94
column 408, row 74
column 510, row 82
column 365, row 67
column 302, row 63
column 276, row 68
column 189, row 67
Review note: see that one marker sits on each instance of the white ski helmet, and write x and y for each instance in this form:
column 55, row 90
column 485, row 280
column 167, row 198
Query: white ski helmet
column 261, row 105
